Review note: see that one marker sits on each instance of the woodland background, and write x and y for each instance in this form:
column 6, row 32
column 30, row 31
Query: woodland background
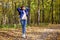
column 41, row 12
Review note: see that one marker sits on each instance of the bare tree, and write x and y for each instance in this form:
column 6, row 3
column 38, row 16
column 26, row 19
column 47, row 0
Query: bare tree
column 42, row 10
column 28, row 22
column 52, row 11
column 38, row 14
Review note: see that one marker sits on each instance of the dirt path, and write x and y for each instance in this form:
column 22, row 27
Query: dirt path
column 33, row 33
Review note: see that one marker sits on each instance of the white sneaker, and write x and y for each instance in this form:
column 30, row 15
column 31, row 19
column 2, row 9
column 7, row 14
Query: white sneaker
column 24, row 36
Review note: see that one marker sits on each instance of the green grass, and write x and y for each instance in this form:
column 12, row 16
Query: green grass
column 19, row 25
column 40, row 25
column 10, row 26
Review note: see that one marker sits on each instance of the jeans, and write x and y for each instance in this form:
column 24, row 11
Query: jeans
column 23, row 23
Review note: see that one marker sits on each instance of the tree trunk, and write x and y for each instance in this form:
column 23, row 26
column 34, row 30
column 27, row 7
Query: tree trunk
column 52, row 11
column 42, row 10
column 28, row 19
column 4, row 15
column 59, row 11
column 38, row 14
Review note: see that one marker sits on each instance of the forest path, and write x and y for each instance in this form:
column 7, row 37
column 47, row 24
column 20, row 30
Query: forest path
column 33, row 33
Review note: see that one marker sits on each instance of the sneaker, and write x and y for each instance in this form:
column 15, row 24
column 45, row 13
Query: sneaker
column 23, row 36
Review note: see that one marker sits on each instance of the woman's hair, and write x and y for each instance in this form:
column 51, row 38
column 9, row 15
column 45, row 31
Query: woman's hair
column 22, row 6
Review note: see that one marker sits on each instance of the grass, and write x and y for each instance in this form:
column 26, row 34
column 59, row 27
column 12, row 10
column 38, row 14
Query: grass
column 19, row 25
column 10, row 26
column 40, row 25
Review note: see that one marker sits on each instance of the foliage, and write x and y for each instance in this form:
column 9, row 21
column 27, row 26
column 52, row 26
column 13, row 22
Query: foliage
column 49, row 11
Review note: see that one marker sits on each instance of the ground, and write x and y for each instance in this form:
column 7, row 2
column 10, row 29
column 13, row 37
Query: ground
column 52, row 32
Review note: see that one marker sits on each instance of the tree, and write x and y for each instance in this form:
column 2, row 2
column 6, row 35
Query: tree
column 28, row 22
column 42, row 10
column 52, row 11
column 38, row 14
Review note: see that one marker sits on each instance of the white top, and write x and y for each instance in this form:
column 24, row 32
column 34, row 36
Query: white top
column 24, row 15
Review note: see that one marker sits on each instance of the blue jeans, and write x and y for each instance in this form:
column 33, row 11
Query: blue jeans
column 23, row 23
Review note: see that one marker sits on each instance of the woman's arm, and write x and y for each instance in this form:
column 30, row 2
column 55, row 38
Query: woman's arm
column 27, row 10
column 18, row 9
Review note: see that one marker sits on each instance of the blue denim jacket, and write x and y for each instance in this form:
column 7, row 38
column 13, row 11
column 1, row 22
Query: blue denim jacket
column 21, row 13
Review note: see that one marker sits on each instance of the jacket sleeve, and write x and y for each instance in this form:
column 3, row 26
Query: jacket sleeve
column 18, row 9
column 27, row 10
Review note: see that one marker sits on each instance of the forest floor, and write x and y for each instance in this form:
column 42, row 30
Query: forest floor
column 51, row 32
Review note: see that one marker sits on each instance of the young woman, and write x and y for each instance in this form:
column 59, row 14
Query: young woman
column 23, row 12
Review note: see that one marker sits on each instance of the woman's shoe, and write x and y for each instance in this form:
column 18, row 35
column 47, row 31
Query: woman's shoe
column 23, row 36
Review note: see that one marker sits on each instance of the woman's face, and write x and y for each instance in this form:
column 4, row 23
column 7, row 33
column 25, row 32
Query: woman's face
column 23, row 8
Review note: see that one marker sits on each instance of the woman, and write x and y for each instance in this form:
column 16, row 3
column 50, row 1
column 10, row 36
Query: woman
column 23, row 12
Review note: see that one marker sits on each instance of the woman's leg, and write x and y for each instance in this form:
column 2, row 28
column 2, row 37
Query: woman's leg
column 23, row 22
column 24, row 27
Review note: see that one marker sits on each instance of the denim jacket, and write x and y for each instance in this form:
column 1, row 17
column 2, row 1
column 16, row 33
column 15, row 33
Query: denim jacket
column 21, row 13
